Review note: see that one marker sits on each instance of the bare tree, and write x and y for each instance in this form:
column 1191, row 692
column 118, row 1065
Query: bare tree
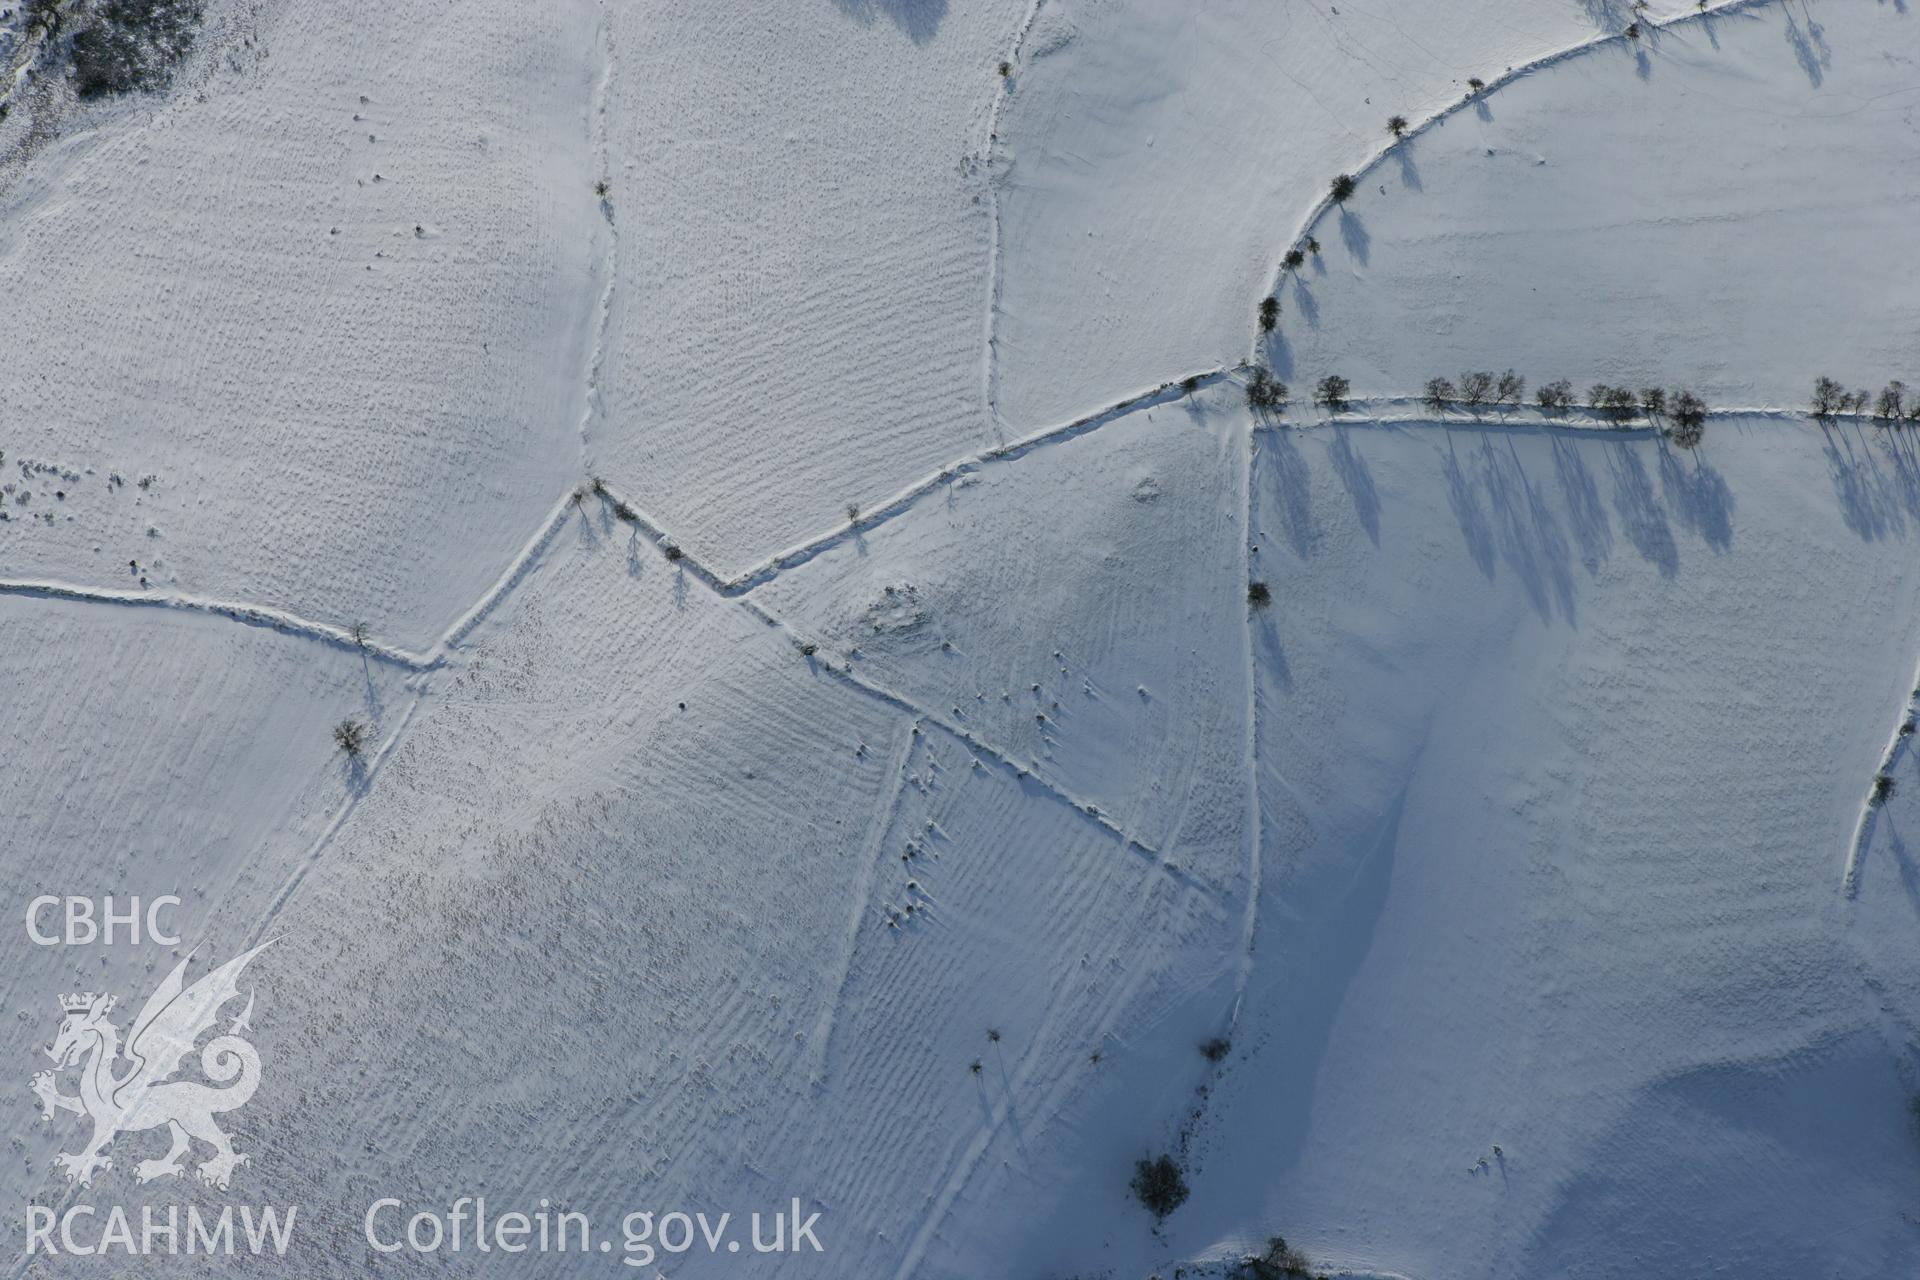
column 1333, row 392
column 1440, row 394
column 1889, row 406
column 1266, row 393
column 1397, row 126
column 1829, row 397
column 1555, row 396
column 1653, row 401
column 1342, row 187
column 1617, row 403
column 1269, row 313
column 1475, row 389
column 1688, row 424
column 1512, row 389
column 350, row 735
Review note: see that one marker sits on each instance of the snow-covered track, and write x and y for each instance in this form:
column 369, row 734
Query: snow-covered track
column 252, row 615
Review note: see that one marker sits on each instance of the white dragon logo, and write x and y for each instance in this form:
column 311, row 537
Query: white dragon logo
column 164, row 1033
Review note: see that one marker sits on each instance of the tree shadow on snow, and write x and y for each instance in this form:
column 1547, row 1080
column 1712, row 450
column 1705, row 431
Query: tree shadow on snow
column 1711, row 19
column 1354, row 235
column 1809, row 48
column 1530, row 538
column 1903, row 864
column 1409, row 171
column 358, row 776
column 1581, row 498
column 1699, row 496
column 1304, row 302
column 1293, row 487
column 375, row 703
column 1279, row 355
column 1608, row 15
column 1358, row 479
column 1641, row 515
column 1877, row 496
column 1465, row 502
column 589, row 536
column 920, row 19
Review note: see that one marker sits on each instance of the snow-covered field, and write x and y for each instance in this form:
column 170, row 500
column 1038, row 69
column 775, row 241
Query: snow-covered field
column 714, row 847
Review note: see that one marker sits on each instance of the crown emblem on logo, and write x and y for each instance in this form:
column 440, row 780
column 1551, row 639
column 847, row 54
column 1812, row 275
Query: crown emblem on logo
column 173, row 1021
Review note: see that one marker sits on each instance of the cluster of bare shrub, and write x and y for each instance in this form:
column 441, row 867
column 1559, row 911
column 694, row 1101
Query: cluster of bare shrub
column 1265, row 393
column 1678, row 413
column 1681, row 414
column 1475, row 391
column 1889, row 408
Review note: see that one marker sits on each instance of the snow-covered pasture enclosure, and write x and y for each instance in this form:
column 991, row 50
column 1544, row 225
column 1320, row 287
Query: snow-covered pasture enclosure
column 716, row 844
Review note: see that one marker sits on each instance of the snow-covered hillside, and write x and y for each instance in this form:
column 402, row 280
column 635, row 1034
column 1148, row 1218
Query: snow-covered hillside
column 845, row 724
column 336, row 304
column 1723, row 202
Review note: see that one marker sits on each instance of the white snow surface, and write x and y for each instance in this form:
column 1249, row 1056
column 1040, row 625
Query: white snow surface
column 1517, row 848
column 1722, row 208
column 345, row 337
column 1161, row 157
column 805, row 241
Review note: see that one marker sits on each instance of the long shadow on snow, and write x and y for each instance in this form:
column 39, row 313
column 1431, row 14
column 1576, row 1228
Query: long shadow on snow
column 1293, row 487
column 1641, row 514
column 1581, row 498
column 1531, row 541
column 1353, row 234
column 1699, row 496
column 1877, row 497
column 1809, row 49
column 920, row 19
column 1358, row 478
column 1903, row 864
column 1504, row 516
column 1465, row 503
